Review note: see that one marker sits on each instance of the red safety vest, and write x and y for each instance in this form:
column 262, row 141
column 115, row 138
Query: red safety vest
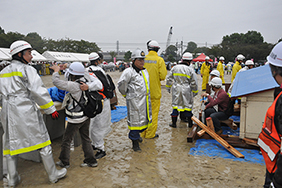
column 269, row 139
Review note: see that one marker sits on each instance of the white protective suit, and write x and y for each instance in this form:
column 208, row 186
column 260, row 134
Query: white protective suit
column 136, row 88
column 100, row 125
column 183, row 81
column 21, row 89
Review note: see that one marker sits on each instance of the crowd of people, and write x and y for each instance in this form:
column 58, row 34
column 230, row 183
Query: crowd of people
column 140, row 83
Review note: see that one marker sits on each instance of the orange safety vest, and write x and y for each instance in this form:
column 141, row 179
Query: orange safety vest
column 269, row 139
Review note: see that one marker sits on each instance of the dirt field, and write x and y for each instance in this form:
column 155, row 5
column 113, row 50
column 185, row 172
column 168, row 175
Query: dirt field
column 163, row 162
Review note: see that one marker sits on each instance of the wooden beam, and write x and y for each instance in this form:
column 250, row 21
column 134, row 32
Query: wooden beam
column 192, row 133
column 201, row 133
column 218, row 138
column 251, row 142
column 209, row 124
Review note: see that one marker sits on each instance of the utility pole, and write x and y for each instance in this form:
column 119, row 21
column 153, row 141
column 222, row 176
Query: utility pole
column 181, row 47
column 117, row 47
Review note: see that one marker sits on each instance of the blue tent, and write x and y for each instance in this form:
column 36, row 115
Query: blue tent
column 253, row 81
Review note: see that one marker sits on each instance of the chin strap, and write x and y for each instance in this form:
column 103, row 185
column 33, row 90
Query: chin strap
column 20, row 58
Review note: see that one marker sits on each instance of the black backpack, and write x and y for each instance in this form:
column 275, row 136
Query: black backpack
column 91, row 103
column 107, row 82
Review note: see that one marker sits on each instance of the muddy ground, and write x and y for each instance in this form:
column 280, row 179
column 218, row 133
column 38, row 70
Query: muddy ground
column 163, row 162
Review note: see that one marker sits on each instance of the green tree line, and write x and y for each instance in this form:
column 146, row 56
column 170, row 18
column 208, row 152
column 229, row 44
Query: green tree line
column 250, row 44
column 42, row 44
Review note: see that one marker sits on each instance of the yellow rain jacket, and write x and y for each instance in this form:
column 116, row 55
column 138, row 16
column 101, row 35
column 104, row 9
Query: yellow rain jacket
column 235, row 69
column 156, row 68
column 220, row 68
column 155, row 65
column 205, row 71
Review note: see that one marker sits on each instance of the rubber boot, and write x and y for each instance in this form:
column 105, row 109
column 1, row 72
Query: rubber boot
column 48, row 161
column 190, row 122
column 12, row 176
column 135, row 145
column 174, row 120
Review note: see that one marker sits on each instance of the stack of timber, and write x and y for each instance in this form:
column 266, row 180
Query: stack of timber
column 234, row 141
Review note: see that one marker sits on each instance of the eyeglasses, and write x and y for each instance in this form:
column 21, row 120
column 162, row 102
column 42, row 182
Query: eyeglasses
column 140, row 59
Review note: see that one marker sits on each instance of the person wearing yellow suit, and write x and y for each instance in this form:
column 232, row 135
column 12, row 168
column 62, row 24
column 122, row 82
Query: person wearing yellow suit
column 237, row 66
column 156, row 68
column 205, row 72
column 220, row 68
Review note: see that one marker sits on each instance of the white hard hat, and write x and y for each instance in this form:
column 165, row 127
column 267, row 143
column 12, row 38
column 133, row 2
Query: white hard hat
column 187, row 56
column 221, row 58
column 138, row 53
column 249, row 62
column 153, row 44
column 216, row 82
column 275, row 56
column 93, row 56
column 76, row 68
column 240, row 57
column 215, row 73
column 19, row 46
column 207, row 58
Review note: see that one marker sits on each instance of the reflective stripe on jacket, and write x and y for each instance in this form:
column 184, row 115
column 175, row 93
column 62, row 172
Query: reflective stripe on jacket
column 269, row 139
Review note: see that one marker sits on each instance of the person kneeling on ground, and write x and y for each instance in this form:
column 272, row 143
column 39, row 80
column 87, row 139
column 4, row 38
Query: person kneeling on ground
column 217, row 105
column 77, row 121
column 135, row 87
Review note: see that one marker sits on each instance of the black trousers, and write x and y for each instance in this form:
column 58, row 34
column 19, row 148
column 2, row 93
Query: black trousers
column 216, row 117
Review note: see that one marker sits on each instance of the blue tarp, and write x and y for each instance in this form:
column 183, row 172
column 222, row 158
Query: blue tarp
column 119, row 113
column 56, row 94
column 212, row 148
column 235, row 118
column 253, row 81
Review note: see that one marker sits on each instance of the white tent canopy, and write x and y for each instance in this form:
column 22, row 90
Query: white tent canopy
column 81, row 57
column 48, row 56
column 6, row 51
column 4, row 54
column 65, row 56
column 37, row 56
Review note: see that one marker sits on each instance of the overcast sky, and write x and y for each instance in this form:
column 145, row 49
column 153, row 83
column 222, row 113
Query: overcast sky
column 134, row 22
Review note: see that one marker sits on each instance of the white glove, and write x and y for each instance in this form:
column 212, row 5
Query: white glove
column 168, row 89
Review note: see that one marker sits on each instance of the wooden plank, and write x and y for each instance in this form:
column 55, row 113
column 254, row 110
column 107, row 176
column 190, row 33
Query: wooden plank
column 251, row 142
column 192, row 133
column 209, row 124
column 218, row 138
column 230, row 124
column 200, row 133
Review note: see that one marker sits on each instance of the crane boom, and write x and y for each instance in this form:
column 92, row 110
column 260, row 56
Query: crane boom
column 169, row 37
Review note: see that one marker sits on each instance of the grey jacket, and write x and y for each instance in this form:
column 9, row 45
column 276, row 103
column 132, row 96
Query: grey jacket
column 183, row 82
column 21, row 89
column 135, row 87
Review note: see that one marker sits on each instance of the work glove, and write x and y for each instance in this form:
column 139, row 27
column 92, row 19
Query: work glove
column 55, row 115
column 168, row 89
